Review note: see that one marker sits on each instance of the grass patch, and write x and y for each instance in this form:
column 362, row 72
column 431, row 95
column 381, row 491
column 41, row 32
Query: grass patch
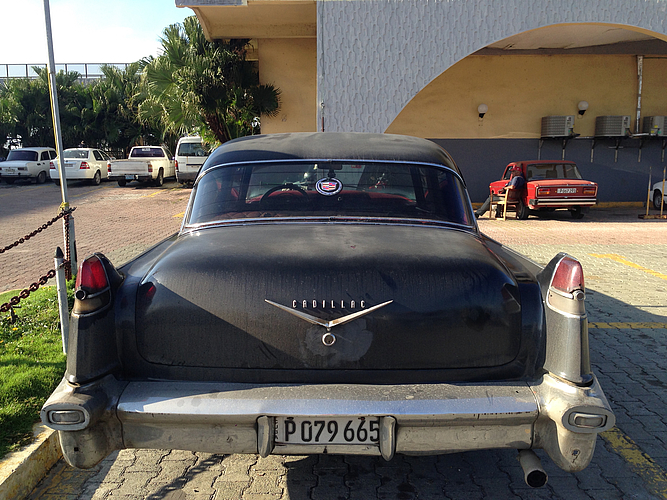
column 32, row 364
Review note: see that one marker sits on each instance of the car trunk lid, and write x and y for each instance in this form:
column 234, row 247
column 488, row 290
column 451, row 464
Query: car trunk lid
column 268, row 296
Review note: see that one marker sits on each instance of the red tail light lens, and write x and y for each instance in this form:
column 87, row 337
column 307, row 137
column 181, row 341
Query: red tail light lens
column 84, row 165
column 176, row 165
column 590, row 190
column 109, row 167
column 52, row 165
column 543, row 191
column 92, row 276
column 569, row 276
column 150, row 167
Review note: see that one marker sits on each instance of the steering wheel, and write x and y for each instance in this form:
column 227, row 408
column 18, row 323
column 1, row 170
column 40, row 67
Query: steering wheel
column 264, row 201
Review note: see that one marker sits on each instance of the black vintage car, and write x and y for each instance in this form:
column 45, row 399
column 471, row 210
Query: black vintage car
column 330, row 293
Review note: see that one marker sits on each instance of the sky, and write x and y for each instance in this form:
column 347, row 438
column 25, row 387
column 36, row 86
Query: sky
column 85, row 31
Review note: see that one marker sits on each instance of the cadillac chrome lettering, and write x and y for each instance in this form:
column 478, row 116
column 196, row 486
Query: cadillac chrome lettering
column 327, row 304
column 327, row 324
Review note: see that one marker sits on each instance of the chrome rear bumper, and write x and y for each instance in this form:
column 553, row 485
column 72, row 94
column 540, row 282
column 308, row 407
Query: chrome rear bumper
column 562, row 202
column 421, row 419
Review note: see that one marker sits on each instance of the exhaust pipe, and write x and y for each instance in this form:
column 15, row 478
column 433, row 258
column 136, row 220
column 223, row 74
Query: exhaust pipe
column 533, row 473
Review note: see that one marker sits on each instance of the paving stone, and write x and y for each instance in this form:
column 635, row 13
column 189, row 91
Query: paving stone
column 229, row 490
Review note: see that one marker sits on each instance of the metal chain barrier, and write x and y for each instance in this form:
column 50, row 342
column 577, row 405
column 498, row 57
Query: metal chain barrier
column 68, row 262
column 25, row 293
column 65, row 213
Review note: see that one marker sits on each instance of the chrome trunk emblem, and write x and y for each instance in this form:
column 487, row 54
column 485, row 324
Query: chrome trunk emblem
column 327, row 324
column 328, row 339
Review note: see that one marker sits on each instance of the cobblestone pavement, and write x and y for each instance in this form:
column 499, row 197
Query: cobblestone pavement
column 117, row 222
column 625, row 263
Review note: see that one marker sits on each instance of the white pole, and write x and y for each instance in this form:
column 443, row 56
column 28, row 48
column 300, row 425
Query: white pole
column 55, row 113
column 61, row 288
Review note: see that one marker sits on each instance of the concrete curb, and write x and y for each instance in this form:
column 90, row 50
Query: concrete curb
column 20, row 471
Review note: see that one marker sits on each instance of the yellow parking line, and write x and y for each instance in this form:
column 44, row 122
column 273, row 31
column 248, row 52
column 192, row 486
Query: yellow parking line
column 626, row 325
column 181, row 215
column 640, row 463
column 623, row 260
column 151, row 195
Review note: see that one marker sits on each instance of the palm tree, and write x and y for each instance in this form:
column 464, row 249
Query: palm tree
column 116, row 100
column 205, row 86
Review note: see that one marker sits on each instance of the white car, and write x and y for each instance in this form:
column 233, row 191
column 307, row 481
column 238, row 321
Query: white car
column 27, row 163
column 83, row 164
column 657, row 194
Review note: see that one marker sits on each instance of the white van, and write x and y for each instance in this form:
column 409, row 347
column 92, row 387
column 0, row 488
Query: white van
column 190, row 156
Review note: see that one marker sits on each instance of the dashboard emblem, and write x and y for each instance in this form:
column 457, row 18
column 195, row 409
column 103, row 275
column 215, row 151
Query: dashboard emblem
column 327, row 324
column 329, row 186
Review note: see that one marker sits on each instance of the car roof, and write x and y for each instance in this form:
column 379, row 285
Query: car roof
column 37, row 148
column 541, row 161
column 330, row 146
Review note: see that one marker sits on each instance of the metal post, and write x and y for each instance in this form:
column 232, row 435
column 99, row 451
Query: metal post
column 55, row 113
column 640, row 81
column 61, row 287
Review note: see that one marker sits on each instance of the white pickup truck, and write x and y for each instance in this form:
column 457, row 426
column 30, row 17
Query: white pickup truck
column 144, row 164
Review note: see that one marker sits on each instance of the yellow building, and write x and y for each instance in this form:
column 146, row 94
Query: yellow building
column 427, row 68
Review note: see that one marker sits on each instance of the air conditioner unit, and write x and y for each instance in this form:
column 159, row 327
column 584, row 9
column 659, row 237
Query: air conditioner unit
column 612, row 126
column 558, row 126
column 655, row 125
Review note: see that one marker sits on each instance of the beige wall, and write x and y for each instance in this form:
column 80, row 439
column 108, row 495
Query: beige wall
column 519, row 90
column 291, row 65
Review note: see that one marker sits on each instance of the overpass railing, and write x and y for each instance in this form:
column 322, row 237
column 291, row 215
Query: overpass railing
column 86, row 70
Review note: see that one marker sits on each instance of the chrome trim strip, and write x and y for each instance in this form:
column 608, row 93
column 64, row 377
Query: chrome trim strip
column 387, row 437
column 265, row 435
column 335, row 219
column 190, row 402
column 327, row 324
column 567, row 201
column 330, row 160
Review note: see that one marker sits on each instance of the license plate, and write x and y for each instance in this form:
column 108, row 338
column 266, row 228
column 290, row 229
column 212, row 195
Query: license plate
column 129, row 177
column 323, row 430
column 566, row 190
column 69, row 164
column 10, row 170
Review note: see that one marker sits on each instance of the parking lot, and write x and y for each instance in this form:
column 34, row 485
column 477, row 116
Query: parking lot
column 625, row 263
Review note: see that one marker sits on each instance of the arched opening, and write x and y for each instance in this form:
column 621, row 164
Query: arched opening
column 548, row 72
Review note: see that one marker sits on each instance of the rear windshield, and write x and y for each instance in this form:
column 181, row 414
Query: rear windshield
column 538, row 171
column 22, row 155
column 79, row 154
column 371, row 189
column 191, row 149
column 147, row 153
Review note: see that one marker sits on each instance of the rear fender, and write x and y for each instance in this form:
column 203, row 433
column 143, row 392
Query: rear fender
column 92, row 349
column 567, row 352
column 85, row 418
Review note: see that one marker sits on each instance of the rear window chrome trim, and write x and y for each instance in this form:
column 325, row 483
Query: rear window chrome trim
column 371, row 221
column 202, row 173
column 329, row 160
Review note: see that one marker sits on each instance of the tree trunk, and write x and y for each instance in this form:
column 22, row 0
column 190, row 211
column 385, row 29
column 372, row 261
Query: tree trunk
column 218, row 128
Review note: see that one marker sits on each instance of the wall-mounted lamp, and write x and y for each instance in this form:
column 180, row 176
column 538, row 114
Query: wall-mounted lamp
column 482, row 110
column 583, row 106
